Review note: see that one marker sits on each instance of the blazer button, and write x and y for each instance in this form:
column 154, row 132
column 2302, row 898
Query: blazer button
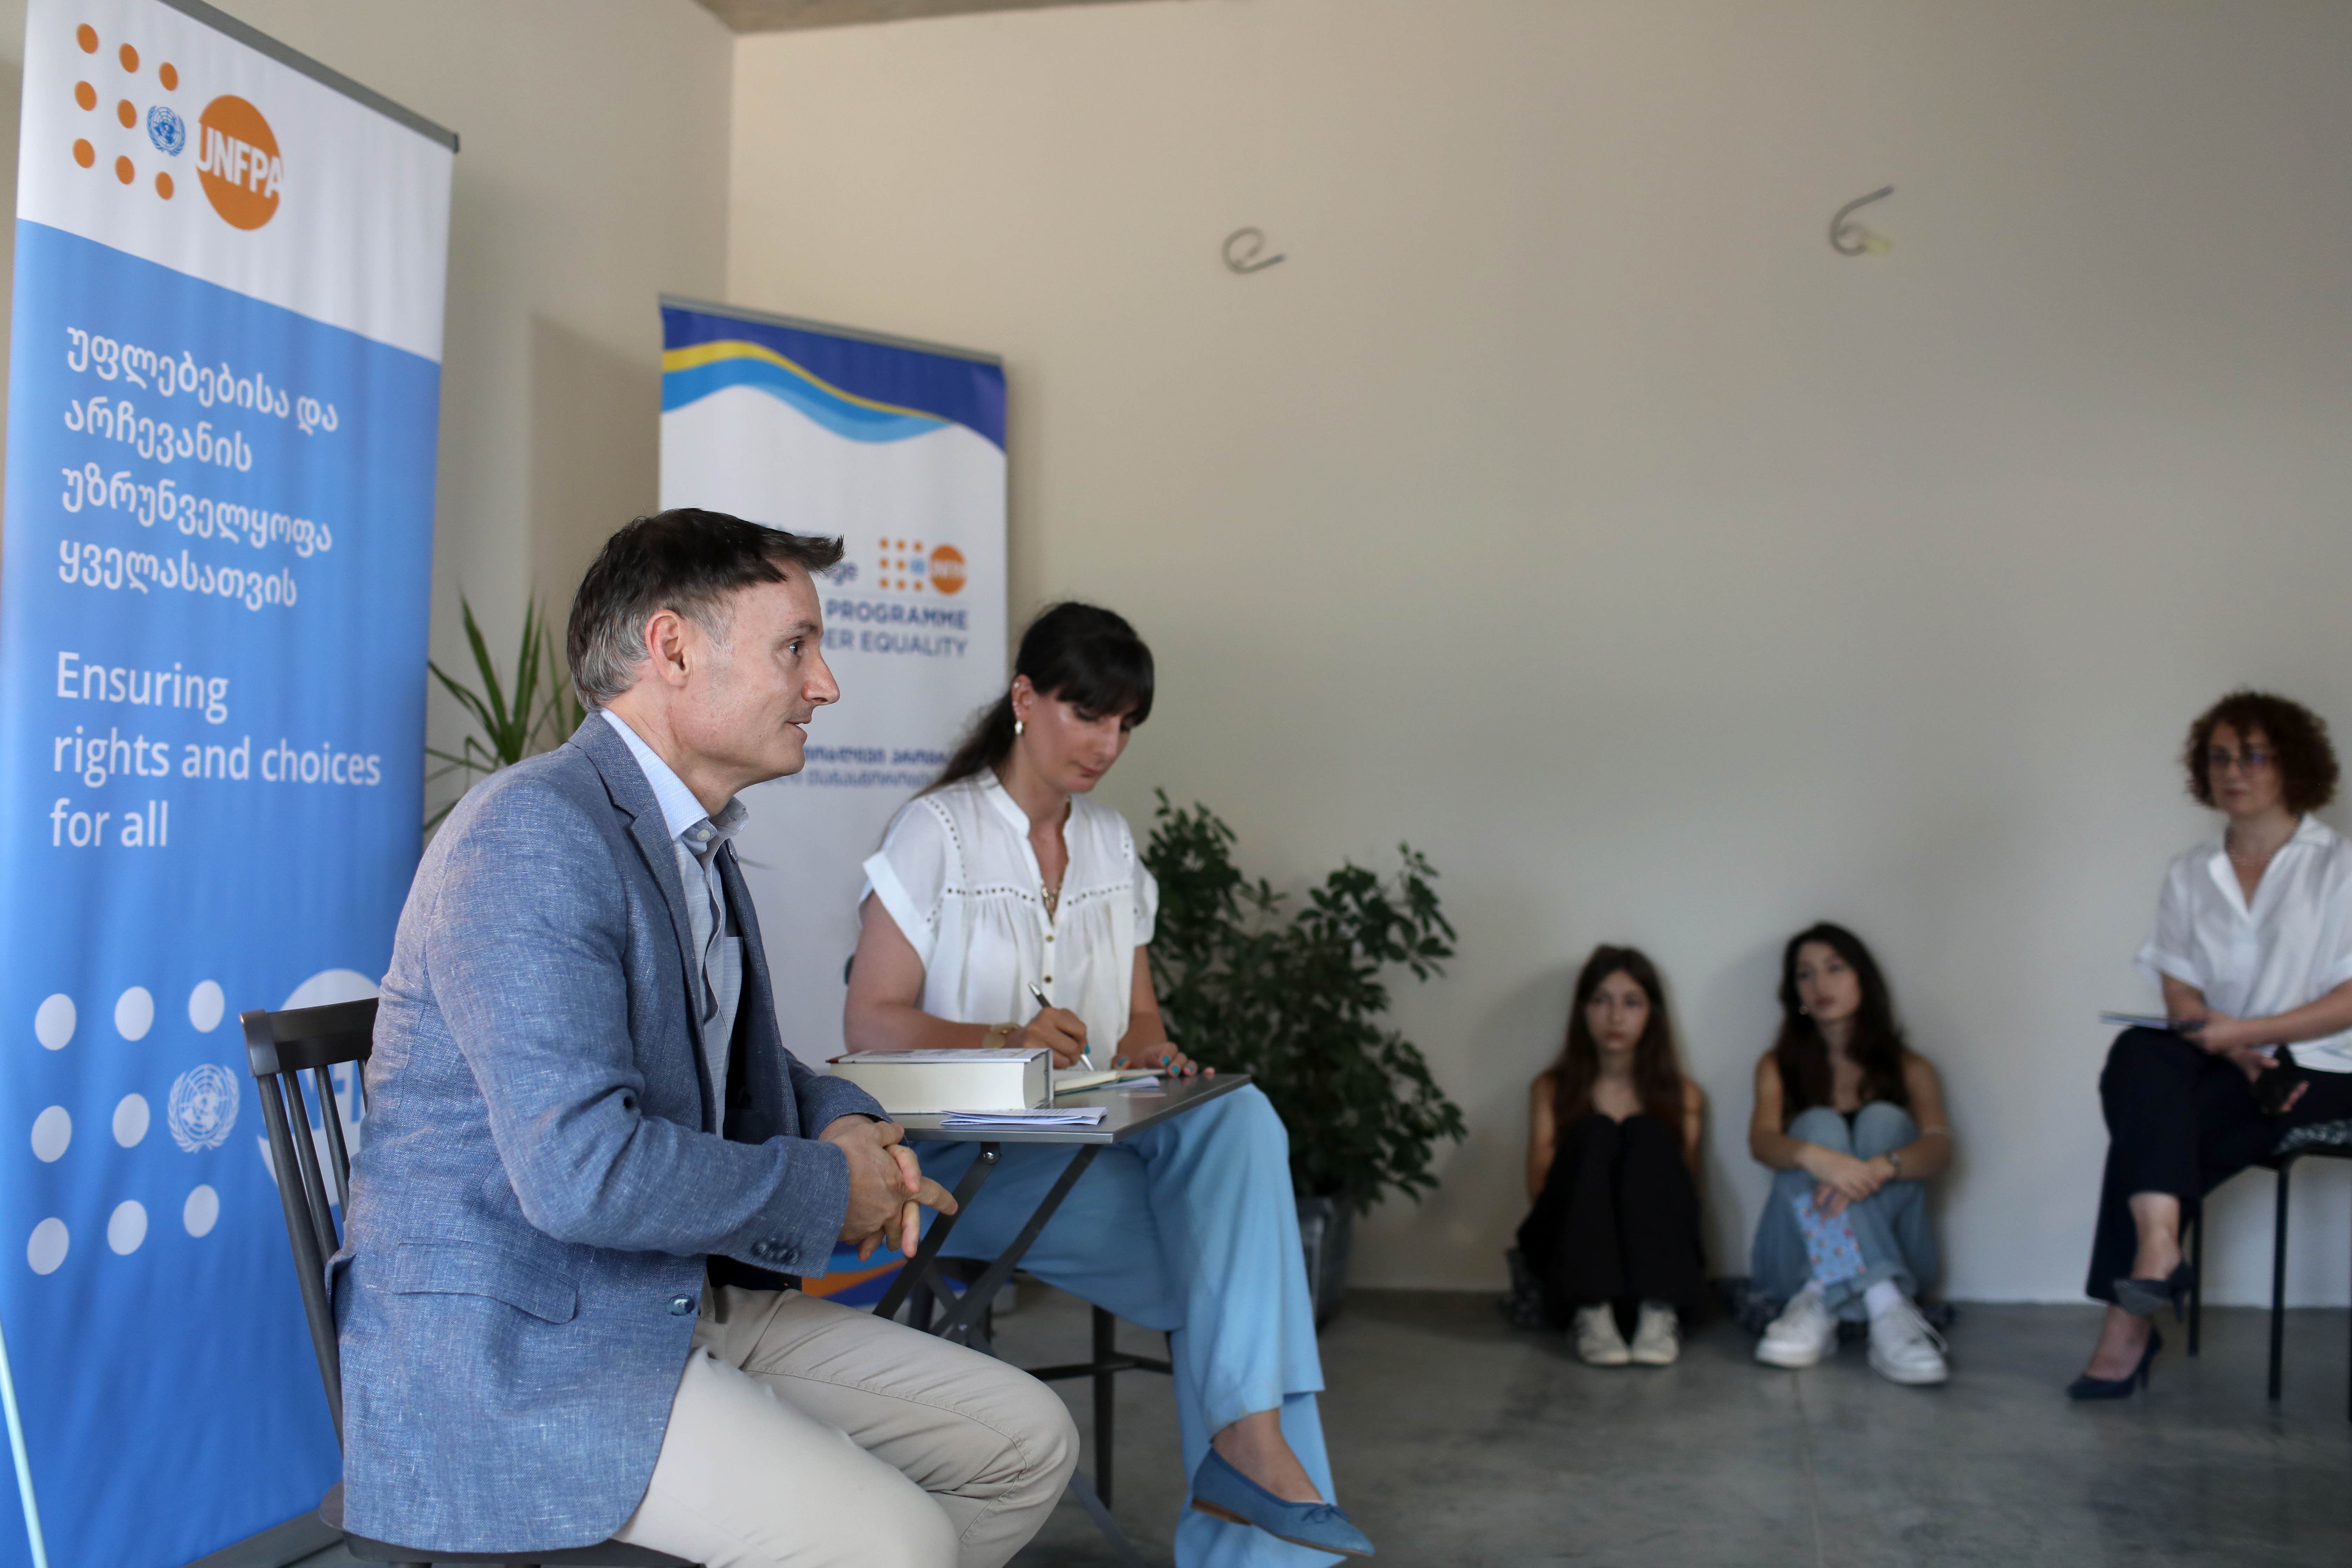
column 679, row 1306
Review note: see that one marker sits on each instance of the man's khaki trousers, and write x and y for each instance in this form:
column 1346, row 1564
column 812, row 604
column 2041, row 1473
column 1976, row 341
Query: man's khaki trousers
column 809, row 1434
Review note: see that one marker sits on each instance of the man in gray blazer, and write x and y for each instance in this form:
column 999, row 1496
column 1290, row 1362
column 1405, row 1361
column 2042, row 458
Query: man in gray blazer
column 565, row 1298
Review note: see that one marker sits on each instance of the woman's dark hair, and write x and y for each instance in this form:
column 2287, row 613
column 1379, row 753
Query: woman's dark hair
column 1658, row 1074
column 2296, row 736
column 1082, row 654
column 1877, row 1045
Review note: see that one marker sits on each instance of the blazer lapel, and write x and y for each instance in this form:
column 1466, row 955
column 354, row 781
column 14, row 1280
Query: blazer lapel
column 625, row 782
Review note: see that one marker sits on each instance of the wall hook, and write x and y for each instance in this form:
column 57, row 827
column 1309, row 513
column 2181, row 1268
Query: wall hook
column 1247, row 261
column 1852, row 238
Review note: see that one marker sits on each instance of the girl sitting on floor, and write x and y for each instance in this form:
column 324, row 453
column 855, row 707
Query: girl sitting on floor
column 1612, row 1167
column 1852, row 1121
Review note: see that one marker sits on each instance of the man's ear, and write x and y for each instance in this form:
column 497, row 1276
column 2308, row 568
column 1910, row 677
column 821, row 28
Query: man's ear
column 666, row 646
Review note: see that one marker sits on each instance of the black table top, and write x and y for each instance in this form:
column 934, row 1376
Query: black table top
column 1130, row 1111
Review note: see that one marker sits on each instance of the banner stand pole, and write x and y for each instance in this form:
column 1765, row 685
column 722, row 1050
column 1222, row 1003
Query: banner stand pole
column 23, row 1465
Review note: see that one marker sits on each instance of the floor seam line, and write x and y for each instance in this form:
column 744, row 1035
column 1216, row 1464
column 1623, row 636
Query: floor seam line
column 1813, row 1485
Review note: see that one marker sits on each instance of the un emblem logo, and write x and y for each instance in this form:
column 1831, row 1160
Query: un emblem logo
column 202, row 1107
column 167, row 129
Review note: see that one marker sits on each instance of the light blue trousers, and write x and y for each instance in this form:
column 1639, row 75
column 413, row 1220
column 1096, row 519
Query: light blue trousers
column 1190, row 1227
column 1890, row 1228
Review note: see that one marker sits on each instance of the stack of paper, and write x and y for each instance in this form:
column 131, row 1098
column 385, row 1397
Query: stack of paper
column 1055, row 1116
column 1125, row 1077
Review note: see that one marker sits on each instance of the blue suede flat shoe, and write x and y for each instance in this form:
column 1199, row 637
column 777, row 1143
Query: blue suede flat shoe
column 1222, row 1491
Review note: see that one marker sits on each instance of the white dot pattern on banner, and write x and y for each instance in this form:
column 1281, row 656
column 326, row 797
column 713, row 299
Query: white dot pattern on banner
column 53, row 1025
column 134, row 1013
column 128, row 1228
column 201, row 1212
column 130, row 1119
column 205, row 1005
column 52, row 1130
column 47, row 1248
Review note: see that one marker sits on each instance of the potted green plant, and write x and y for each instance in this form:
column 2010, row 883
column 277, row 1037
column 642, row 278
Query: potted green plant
column 540, row 713
column 1298, row 997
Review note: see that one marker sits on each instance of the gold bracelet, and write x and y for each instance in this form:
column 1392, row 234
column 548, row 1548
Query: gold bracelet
column 997, row 1034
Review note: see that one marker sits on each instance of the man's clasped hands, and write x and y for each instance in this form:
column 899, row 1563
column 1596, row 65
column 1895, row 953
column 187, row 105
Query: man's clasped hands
column 887, row 1189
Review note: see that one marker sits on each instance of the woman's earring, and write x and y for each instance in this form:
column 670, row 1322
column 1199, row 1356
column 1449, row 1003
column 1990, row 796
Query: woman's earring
column 1019, row 725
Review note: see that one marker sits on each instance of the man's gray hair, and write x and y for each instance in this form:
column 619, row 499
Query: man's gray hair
column 684, row 560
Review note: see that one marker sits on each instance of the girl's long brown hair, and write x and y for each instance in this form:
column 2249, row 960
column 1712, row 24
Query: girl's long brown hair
column 1877, row 1046
column 1657, row 1072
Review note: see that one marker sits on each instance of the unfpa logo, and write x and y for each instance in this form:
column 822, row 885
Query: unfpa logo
column 906, row 568
column 238, row 160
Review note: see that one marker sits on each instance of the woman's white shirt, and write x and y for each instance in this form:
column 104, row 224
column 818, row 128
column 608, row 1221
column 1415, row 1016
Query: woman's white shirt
column 957, row 873
column 2292, row 947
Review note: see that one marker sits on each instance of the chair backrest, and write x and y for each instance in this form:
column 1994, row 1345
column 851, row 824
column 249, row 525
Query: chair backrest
column 280, row 1047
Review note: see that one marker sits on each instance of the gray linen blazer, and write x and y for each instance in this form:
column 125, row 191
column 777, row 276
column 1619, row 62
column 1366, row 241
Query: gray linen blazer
column 544, row 1174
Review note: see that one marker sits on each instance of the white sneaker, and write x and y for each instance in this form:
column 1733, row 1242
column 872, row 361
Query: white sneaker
column 1801, row 1335
column 1598, row 1342
column 1903, row 1349
column 1658, row 1336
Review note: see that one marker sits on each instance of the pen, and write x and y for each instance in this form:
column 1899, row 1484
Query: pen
column 1038, row 991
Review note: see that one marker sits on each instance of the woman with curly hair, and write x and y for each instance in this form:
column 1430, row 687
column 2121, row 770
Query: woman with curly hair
column 1612, row 1167
column 2253, row 948
column 1852, row 1119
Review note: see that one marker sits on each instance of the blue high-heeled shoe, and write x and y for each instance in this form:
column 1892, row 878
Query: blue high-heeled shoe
column 1223, row 1493
column 2089, row 1387
column 2147, row 1298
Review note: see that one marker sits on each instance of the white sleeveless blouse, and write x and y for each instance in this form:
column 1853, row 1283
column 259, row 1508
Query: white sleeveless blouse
column 958, row 875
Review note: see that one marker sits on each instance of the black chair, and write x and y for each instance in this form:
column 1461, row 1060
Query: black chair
column 2328, row 1140
column 280, row 1047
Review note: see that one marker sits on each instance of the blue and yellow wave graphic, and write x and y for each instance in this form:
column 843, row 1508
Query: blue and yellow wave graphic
column 692, row 373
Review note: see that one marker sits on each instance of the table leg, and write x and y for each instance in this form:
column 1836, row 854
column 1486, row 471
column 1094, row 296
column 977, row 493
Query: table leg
column 1106, row 1402
column 981, row 1291
column 1096, row 1510
column 918, row 1269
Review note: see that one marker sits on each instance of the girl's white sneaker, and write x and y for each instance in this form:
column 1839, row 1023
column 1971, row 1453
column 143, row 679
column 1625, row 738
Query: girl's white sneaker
column 1658, row 1336
column 1598, row 1342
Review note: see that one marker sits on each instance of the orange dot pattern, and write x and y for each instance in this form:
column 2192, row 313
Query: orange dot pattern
column 87, row 36
column 125, row 111
column 169, row 75
column 129, row 58
column 84, row 154
column 163, row 186
column 124, row 172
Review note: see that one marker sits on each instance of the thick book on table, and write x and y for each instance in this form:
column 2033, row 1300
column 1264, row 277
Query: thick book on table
column 914, row 1083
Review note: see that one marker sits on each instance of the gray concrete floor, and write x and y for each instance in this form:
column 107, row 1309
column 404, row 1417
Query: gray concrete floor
column 1458, row 1441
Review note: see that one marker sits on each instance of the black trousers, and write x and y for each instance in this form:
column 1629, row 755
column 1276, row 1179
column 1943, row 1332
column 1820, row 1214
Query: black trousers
column 2182, row 1120
column 1618, row 1220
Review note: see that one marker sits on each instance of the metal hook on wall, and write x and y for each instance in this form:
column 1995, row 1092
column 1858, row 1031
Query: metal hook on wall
column 1852, row 238
column 1248, row 261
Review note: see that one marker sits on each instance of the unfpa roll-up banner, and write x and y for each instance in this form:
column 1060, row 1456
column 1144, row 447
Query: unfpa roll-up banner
column 223, row 401
column 898, row 448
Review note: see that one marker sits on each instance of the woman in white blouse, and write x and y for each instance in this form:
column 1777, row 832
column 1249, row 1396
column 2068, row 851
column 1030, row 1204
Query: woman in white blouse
column 1002, row 874
column 2253, row 948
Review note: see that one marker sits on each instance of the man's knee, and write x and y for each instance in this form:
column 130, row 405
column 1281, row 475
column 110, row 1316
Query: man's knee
column 1823, row 1126
column 1041, row 1441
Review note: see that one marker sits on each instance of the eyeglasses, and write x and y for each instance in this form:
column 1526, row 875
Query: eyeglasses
column 2253, row 758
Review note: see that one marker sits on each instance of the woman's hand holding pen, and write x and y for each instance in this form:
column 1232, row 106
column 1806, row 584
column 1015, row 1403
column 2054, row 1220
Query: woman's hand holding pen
column 1057, row 1029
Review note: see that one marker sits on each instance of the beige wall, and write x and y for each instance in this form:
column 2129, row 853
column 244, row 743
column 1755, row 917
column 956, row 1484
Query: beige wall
column 593, row 177
column 1564, row 505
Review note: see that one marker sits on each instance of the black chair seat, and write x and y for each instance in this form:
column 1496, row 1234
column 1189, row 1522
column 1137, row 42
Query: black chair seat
column 2314, row 1138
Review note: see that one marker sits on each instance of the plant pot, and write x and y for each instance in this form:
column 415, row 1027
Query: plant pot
column 1325, row 1225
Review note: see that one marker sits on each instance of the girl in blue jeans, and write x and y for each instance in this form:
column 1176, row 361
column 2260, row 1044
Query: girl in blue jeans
column 1852, row 1121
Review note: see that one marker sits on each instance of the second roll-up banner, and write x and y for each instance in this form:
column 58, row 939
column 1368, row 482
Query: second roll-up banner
column 898, row 448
